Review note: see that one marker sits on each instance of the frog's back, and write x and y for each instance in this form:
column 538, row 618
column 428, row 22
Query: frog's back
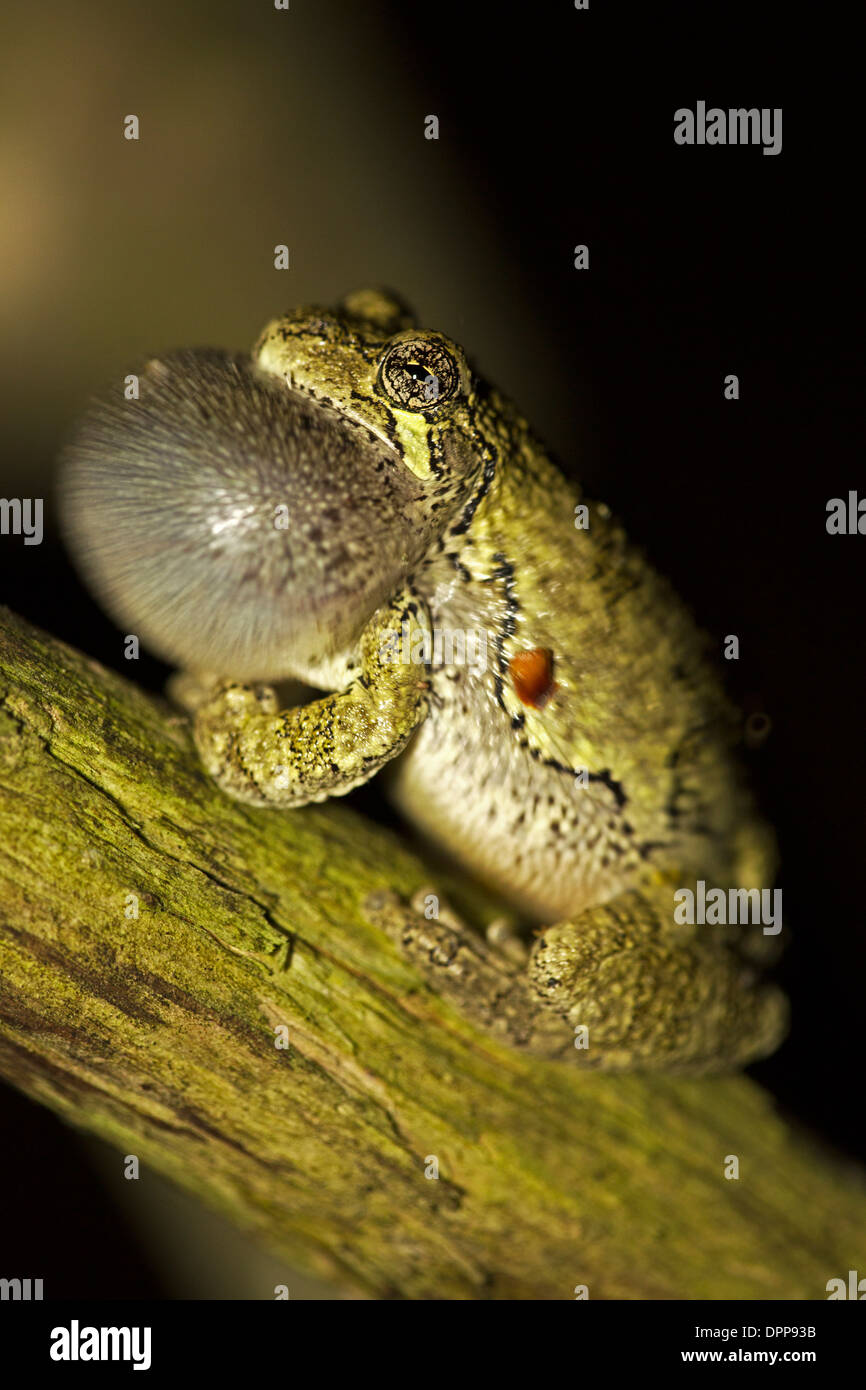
column 622, row 770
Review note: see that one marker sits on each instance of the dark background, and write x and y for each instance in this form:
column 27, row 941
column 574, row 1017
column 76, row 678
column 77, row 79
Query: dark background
column 556, row 128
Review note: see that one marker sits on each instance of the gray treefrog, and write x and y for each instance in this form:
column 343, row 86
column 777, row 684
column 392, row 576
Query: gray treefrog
column 355, row 508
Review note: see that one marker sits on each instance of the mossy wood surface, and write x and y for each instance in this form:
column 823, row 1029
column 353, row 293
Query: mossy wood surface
column 158, row 1033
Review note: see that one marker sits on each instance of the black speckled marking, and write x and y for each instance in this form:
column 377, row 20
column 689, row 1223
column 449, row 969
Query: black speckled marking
column 491, row 458
column 504, row 571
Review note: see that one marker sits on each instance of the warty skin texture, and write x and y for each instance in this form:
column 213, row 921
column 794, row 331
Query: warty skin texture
column 416, row 495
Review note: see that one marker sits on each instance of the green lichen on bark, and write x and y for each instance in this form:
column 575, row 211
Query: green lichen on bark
column 157, row 1033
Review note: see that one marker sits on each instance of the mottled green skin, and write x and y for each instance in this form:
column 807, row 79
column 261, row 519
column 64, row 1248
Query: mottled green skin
column 478, row 534
column 636, row 703
column 493, row 779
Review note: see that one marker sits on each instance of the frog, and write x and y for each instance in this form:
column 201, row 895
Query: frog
column 354, row 507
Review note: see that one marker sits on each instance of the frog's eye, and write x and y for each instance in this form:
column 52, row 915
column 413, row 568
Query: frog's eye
column 419, row 374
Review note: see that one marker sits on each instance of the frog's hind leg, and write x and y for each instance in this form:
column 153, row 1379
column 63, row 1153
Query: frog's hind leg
column 641, row 995
column 615, row 989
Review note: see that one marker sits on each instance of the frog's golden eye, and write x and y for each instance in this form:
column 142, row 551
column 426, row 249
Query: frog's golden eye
column 419, row 374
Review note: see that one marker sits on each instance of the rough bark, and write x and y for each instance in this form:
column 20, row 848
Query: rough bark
column 158, row 1033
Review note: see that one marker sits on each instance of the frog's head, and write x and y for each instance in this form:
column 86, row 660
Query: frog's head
column 247, row 516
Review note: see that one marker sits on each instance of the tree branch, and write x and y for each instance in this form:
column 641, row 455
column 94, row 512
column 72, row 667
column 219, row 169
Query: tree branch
column 158, row 1033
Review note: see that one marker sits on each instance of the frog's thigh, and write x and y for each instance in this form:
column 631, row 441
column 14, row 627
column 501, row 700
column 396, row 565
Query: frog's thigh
column 261, row 754
column 648, row 1000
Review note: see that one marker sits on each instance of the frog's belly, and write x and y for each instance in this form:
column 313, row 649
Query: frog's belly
column 518, row 824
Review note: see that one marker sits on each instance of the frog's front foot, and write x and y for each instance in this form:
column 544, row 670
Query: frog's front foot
column 271, row 757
